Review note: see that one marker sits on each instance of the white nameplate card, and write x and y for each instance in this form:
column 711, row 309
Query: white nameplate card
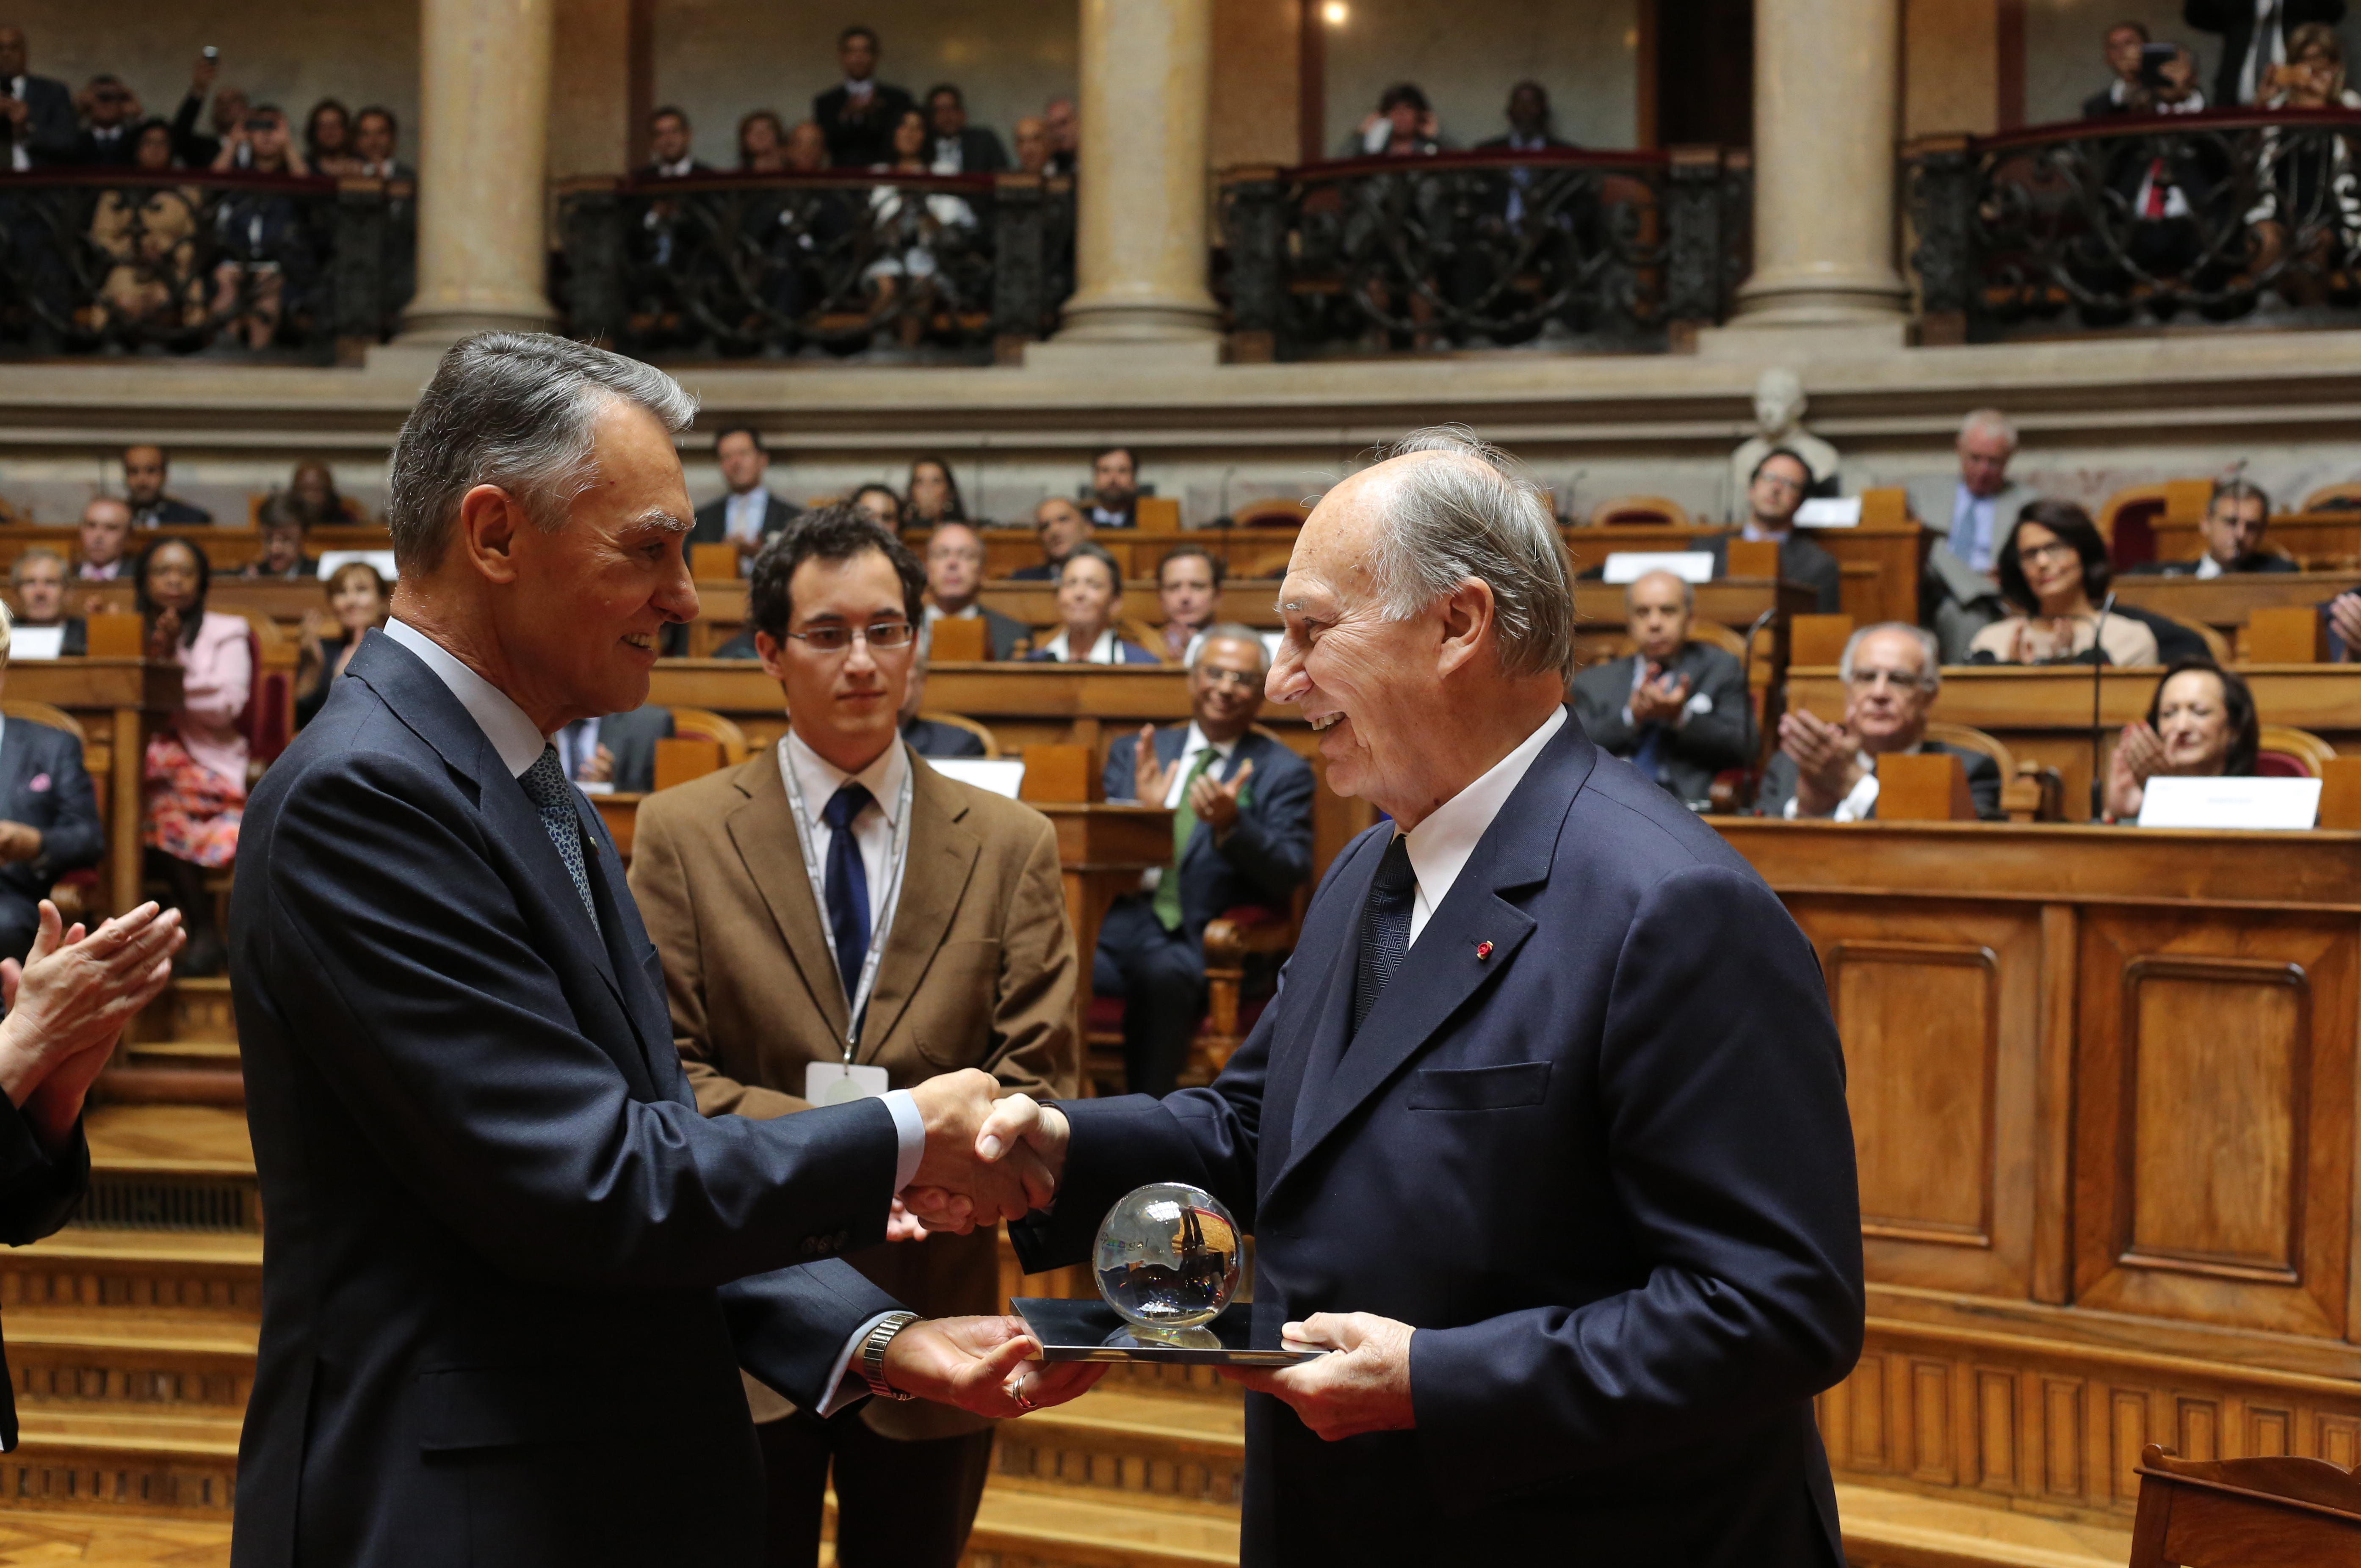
column 843, row 1082
column 2273, row 804
column 1001, row 775
column 37, row 642
column 381, row 559
column 1688, row 565
column 1830, row 511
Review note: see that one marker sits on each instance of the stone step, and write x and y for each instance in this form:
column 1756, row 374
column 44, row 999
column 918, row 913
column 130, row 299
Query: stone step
column 1888, row 1529
column 130, row 1364
column 1036, row 1531
column 180, row 1467
column 1143, row 1449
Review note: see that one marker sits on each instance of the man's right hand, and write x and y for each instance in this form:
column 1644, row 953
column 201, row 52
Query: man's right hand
column 1151, row 780
column 958, row 1187
column 1826, row 758
column 200, row 79
column 69, row 1001
column 2344, row 617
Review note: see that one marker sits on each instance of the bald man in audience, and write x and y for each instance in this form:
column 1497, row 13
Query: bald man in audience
column 105, row 529
column 1890, row 675
column 1674, row 708
column 1061, row 526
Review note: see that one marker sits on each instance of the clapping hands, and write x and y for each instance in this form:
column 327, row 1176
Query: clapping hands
column 68, row 1002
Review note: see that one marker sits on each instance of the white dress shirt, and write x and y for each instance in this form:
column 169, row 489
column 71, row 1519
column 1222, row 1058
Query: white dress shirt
column 743, row 513
column 20, row 159
column 2208, row 567
column 1972, row 528
column 520, row 744
column 1101, row 651
column 1440, row 846
column 2266, row 47
column 577, row 747
column 1855, row 806
column 818, row 780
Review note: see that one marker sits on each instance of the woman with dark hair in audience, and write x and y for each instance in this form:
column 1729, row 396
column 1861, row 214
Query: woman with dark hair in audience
column 884, row 507
column 357, row 600
column 328, row 139
column 2201, row 725
column 1090, row 601
column 762, row 144
column 934, row 495
column 2054, row 570
column 195, row 769
column 1404, row 126
column 312, row 490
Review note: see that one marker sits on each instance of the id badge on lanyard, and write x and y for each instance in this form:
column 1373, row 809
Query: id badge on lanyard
column 836, row 1082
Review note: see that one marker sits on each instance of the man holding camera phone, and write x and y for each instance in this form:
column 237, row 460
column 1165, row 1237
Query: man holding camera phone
column 37, row 113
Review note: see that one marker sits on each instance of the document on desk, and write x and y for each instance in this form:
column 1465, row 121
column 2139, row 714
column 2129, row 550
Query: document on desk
column 2237, row 803
column 1631, row 565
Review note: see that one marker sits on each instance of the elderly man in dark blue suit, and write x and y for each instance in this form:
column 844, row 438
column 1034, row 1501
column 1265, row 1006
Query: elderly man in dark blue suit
column 513, row 1273
column 1545, row 1138
column 1241, row 833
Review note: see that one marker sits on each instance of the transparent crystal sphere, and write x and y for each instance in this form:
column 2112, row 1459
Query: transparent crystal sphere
column 1167, row 1258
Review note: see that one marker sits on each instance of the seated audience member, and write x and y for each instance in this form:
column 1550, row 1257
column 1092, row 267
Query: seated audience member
column 975, row 967
column 1529, row 122
column 284, row 530
column 954, row 577
column 40, row 578
column 1403, row 127
column 40, row 112
column 1822, row 769
column 934, row 495
column 2124, row 41
column 1063, row 125
column 1676, row 709
column 1090, row 602
column 858, row 115
column 747, row 514
column 194, row 772
column 2253, row 36
column 1115, row 489
column 1189, row 590
column 1241, row 834
column 1063, row 527
column 144, row 471
column 931, row 737
column 807, row 148
column 957, row 147
column 148, row 234
column 2053, row 571
column 266, row 265
column 328, row 140
column 2233, row 531
column 1032, row 145
column 619, row 750
column 671, row 147
column 1774, row 495
column 1973, row 511
column 2201, row 724
column 884, row 507
column 312, row 489
column 376, row 137
column 110, row 112
column 48, row 816
column 105, row 531
column 358, row 601
column 762, row 144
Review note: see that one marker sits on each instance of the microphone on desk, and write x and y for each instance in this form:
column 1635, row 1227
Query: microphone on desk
column 2098, row 668
column 1746, row 684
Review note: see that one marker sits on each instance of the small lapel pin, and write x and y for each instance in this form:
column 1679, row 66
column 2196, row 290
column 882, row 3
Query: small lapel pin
column 1483, row 949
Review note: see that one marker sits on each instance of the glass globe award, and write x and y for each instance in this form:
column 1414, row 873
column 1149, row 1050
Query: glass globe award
column 1167, row 1260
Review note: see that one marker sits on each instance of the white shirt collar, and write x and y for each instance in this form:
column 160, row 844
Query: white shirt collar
column 818, row 779
column 1101, row 651
column 504, row 724
column 937, row 612
column 1439, row 847
column 679, row 168
column 2208, row 567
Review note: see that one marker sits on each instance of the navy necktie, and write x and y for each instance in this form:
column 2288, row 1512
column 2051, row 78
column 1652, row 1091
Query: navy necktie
column 848, row 886
column 1385, row 927
column 544, row 784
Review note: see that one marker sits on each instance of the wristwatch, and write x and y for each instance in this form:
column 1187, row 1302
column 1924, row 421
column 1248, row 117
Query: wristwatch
column 873, row 1354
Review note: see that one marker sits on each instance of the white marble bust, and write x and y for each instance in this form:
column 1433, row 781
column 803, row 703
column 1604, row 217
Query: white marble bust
column 1779, row 422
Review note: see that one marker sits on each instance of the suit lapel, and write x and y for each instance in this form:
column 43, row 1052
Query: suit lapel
column 942, row 857
column 17, row 766
column 763, row 827
column 625, row 938
column 1442, row 970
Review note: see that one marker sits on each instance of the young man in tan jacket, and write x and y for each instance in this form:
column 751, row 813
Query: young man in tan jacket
column 836, row 889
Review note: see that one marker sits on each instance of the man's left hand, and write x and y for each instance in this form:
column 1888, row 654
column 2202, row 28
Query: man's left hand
column 1363, row 1386
column 1217, row 803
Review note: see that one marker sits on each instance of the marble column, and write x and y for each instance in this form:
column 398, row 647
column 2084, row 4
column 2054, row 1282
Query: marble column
column 482, row 169
column 1140, row 239
column 1826, row 76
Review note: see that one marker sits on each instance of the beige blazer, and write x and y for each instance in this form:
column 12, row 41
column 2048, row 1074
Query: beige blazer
column 978, row 972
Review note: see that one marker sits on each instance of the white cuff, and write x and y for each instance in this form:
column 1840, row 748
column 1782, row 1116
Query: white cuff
column 845, row 1384
column 910, row 1128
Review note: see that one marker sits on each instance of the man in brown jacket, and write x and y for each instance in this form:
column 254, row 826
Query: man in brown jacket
column 766, row 888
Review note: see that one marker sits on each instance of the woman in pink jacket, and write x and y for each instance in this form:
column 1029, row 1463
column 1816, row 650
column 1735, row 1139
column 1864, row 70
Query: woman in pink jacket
column 195, row 772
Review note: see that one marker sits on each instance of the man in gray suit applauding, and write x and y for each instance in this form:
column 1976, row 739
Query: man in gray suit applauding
column 1676, row 709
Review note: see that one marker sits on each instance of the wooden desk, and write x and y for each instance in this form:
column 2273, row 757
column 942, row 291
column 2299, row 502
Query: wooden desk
column 227, row 549
column 1881, row 562
column 1025, row 704
column 2045, row 713
column 2102, row 1085
column 1248, row 552
column 119, row 703
column 2329, row 540
column 2227, row 603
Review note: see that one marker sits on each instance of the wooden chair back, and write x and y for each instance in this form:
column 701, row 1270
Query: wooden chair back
column 2303, row 753
column 42, row 713
column 1967, row 737
column 2127, row 520
column 2335, row 498
column 2217, row 647
column 1274, row 512
column 1712, row 634
column 1627, row 511
column 701, row 724
column 1133, row 630
column 2283, row 1512
column 961, row 722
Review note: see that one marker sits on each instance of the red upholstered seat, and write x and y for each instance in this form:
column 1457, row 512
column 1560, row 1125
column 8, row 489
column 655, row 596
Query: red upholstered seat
column 2279, row 766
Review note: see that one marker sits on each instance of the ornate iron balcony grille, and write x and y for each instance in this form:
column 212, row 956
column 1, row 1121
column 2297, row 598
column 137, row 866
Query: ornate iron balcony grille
column 2139, row 221
column 954, row 267
column 1562, row 249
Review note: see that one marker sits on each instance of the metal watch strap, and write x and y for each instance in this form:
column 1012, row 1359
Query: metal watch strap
column 873, row 1354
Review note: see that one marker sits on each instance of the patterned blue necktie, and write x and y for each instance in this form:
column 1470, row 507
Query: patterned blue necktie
column 848, row 885
column 544, row 784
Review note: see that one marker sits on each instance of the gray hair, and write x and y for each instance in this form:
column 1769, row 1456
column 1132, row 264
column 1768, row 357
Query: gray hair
column 1446, row 522
column 1930, row 678
column 1230, row 630
column 517, row 410
column 31, row 554
column 1992, row 420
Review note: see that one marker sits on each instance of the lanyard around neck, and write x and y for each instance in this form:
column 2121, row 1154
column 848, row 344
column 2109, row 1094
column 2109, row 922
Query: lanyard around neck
column 805, row 830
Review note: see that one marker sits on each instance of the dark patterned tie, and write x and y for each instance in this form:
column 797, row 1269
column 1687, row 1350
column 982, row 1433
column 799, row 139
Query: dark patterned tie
column 544, row 784
column 1385, row 927
column 848, row 885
